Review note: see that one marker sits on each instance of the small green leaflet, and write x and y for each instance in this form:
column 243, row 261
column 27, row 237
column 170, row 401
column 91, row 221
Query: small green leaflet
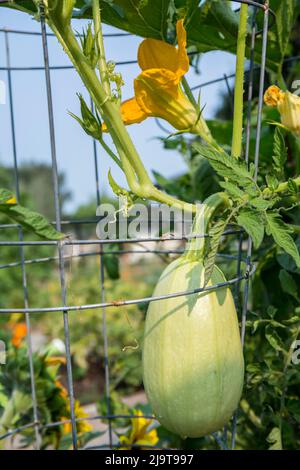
column 228, row 167
column 233, row 191
column 252, row 221
column 30, row 220
column 279, row 153
column 281, row 234
column 274, row 339
column 288, row 284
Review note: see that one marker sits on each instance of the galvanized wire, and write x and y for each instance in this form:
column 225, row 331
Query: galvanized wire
column 62, row 257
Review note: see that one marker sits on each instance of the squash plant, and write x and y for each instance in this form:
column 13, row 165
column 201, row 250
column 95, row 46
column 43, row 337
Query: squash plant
column 173, row 382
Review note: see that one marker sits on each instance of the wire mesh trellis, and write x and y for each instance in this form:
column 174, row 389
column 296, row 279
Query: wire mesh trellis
column 61, row 257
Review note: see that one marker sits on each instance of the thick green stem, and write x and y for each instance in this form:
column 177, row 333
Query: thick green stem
column 109, row 109
column 196, row 246
column 100, row 47
column 236, row 149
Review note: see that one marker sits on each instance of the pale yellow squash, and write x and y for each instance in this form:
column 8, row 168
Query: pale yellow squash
column 193, row 363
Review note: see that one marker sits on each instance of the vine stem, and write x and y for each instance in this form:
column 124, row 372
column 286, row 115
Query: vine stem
column 100, row 46
column 196, row 246
column 237, row 136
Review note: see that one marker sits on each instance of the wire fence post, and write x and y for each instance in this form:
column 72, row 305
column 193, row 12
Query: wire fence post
column 58, row 224
column 22, row 254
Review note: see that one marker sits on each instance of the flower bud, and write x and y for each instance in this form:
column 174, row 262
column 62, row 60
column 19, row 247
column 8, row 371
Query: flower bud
column 288, row 105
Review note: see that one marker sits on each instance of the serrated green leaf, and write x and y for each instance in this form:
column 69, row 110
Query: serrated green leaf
column 233, row 191
column 272, row 182
column 293, row 187
column 228, row 167
column 261, row 204
column 252, row 221
column 288, row 284
column 279, row 153
column 274, row 339
column 281, row 235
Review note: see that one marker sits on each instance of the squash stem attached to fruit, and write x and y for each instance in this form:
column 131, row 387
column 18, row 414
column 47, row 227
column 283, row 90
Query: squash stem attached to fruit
column 196, row 246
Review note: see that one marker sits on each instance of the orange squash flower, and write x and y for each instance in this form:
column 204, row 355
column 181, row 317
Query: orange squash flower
column 19, row 332
column 158, row 92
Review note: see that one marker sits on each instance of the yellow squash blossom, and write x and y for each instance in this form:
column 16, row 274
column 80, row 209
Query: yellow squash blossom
column 139, row 435
column 55, row 361
column 158, row 92
column 11, row 201
column 82, row 426
column 288, row 105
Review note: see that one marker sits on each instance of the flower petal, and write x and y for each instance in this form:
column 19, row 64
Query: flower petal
column 131, row 112
column 155, row 54
column 289, row 108
column 158, row 94
column 183, row 60
column 273, row 96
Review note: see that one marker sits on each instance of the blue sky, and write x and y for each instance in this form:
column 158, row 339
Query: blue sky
column 74, row 148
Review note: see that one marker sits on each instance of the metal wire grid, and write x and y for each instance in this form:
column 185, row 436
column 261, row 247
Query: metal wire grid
column 61, row 257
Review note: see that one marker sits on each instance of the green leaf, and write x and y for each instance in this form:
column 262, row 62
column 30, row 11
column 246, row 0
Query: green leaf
column 272, row 182
column 279, row 153
column 284, row 22
column 228, row 167
column 233, row 191
column 252, row 221
column 288, row 284
column 274, row 438
column 30, row 220
column 274, row 339
column 293, row 187
column 261, row 204
column 281, row 234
